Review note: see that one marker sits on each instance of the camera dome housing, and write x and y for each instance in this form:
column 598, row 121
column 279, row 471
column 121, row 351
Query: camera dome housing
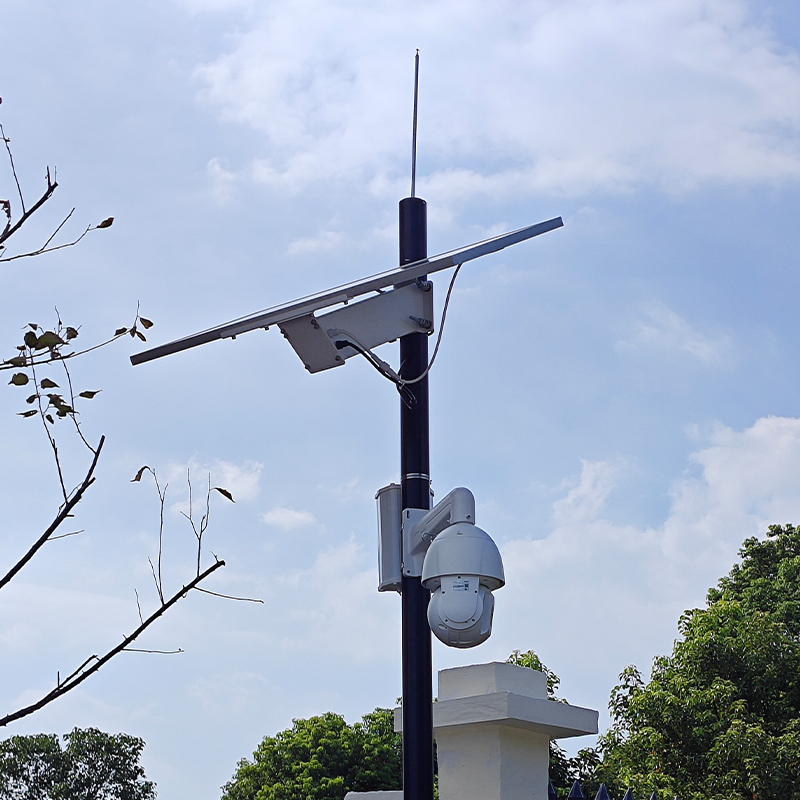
column 463, row 549
column 461, row 568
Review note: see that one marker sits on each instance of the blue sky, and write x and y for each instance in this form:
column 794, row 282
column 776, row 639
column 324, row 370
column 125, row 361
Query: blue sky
column 620, row 395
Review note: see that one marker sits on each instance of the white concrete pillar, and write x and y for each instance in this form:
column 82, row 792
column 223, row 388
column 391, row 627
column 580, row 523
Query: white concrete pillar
column 493, row 724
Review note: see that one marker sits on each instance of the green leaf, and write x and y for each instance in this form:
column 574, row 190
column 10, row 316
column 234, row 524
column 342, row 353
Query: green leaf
column 19, row 379
column 48, row 418
column 33, row 325
column 48, row 384
column 30, row 339
column 17, row 361
column 89, row 395
column 140, row 473
column 49, row 339
column 146, row 323
column 31, row 399
column 72, row 333
column 224, row 493
column 27, row 413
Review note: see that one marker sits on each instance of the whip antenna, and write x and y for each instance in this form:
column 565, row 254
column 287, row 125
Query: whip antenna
column 414, row 133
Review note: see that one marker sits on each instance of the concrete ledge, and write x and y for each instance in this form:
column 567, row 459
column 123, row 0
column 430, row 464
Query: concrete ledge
column 506, row 694
column 556, row 720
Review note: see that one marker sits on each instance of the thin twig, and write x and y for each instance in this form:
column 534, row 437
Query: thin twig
column 81, row 674
column 62, row 515
column 139, row 606
column 230, row 596
column 160, row 652
column 64, row 535
column 43, row 250
column 155, row 579
column 53, row 235
column 31, row 360
column 163, row 496
column 204, row 521
column 80, row 668
column 50, row 437
column 7, row 142
column 48, row 193
column 74, row 415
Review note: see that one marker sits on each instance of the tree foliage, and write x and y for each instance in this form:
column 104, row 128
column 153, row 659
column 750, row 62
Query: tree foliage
column 564, row 771
column 720, row 717
column 92, row 766
column 322, row 758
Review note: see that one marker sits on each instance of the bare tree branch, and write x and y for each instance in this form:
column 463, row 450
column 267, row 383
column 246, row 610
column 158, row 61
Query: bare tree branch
column 50, row 437
column 43, row 347
column 65, row 535
column 26, row 214
column 55, row 232
column 71, row 502
column 81, row 673
column 7, row 143
column 74, row 416
column 12, row 227
column 44, row 248
column 231, row 597
column 204, row 519
column 139, row 606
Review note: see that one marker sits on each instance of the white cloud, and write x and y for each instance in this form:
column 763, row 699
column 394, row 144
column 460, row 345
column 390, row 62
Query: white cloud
column 223, row 182
column 666, row 331
column 288, row 518
column 333, row 608
column 325, row 240
column 241, row 480
column 585, row 500
column 608, row 94
column 618, row 590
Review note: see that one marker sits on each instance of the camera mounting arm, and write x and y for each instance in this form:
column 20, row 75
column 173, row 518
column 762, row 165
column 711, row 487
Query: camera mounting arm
column 421, row 527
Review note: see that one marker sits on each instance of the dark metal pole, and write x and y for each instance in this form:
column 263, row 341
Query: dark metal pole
column 415, row 483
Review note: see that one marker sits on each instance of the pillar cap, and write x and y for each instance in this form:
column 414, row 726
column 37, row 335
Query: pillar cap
column 496, row 676
column 504, row 694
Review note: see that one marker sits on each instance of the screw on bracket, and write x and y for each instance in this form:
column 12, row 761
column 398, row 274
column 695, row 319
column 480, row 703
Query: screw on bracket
column 425, row 324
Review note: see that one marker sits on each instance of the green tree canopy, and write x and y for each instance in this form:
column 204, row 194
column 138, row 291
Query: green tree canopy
column 322, row 758
column 564, row 771
column 720, row 717
column 92, row 766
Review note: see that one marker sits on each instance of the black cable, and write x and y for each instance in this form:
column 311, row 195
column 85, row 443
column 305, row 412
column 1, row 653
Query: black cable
column 402, row 385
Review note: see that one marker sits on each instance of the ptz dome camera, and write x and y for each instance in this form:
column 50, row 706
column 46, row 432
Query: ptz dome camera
column 461, row 568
